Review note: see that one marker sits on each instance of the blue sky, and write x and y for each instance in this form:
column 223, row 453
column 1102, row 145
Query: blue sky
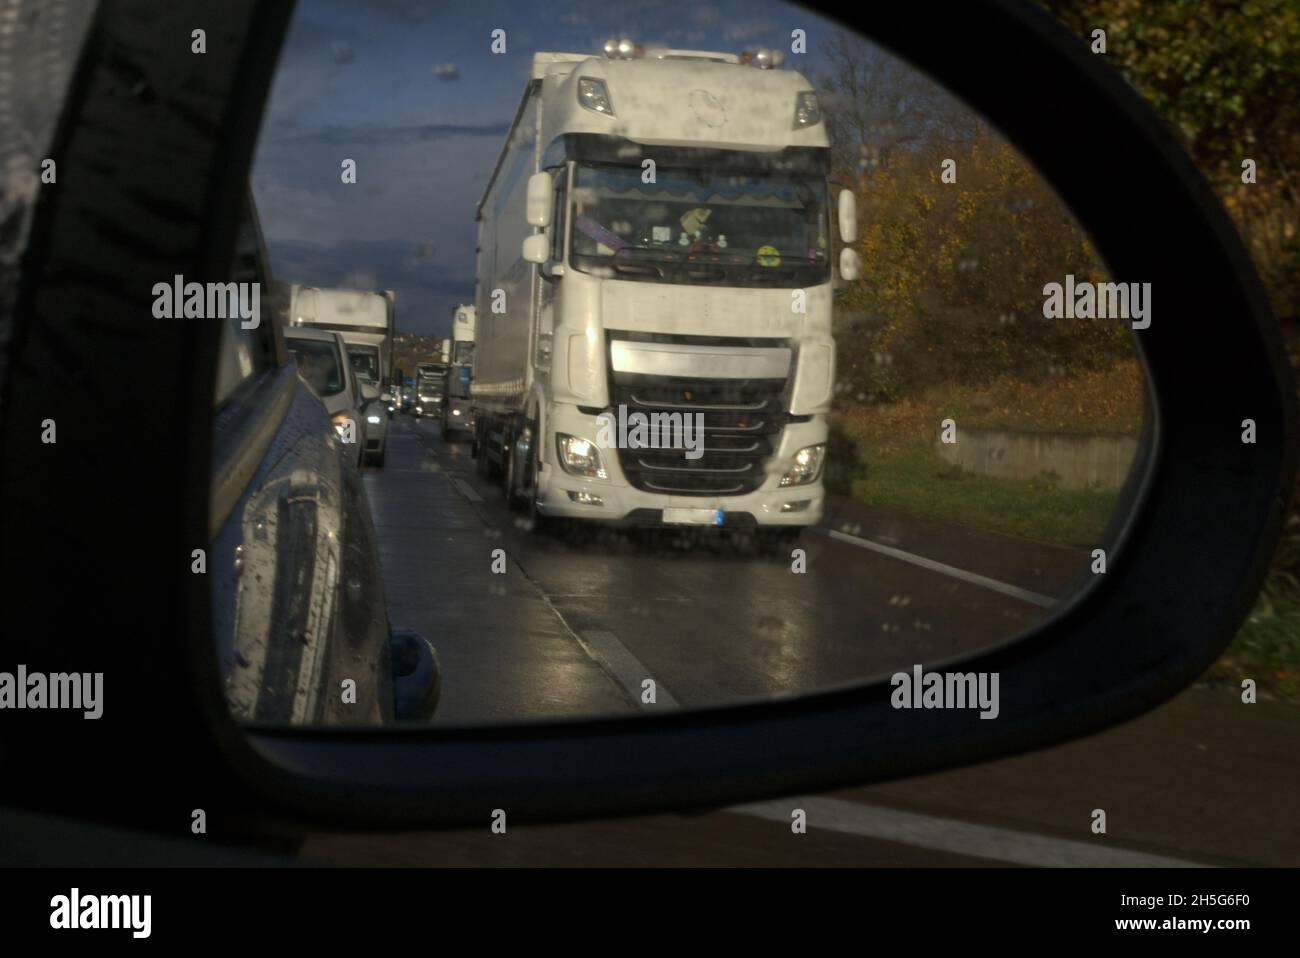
column 410, row 90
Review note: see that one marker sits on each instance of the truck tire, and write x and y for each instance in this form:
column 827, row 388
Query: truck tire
column 541, row 524
column 510, row 478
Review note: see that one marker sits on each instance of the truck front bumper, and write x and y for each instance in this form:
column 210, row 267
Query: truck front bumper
column 614, row 500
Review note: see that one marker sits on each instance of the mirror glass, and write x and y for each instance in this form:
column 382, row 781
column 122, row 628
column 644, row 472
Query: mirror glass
column 696, row 462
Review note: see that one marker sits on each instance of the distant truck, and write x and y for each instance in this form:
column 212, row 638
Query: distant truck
column 365, row 321
column 430, row 389
column 457, row 406
column 653, row 336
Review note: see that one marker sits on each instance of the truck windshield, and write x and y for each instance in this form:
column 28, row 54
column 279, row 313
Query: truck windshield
column 365, row 362
column 458, row 385
column 699, row 226
column 429, row 384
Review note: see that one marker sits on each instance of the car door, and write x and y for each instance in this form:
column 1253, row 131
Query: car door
column 298, row 597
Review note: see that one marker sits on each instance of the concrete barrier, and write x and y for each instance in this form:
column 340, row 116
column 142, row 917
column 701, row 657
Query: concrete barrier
column 1075, row 461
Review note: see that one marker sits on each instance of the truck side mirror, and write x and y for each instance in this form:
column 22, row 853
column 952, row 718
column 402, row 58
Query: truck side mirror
column 848, row 215
column 537, row 248
column 539, row 204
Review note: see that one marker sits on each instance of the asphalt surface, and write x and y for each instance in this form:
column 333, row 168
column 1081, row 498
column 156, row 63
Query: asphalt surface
column 1203, row 780
column 577, row 623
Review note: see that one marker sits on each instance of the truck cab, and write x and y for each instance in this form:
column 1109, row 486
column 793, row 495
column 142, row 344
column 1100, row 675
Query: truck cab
column 668, row 357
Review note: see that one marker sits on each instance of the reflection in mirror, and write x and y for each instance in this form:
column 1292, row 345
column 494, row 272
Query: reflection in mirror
column 710, row 376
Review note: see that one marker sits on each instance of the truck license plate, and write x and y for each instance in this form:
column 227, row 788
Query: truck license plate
column 693, row 517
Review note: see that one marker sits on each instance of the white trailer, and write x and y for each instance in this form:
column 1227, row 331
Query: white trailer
column 654, row 275
column 364, row 319
column 462, row 335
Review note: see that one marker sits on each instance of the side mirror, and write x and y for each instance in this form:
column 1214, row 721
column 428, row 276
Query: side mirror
column 538, row 205
column 417, row 677
column 537, row 248
column 848, row 217
column 850, row 266
column 369, row 392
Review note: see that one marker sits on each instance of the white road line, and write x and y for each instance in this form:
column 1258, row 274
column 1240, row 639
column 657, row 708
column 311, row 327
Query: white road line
column 1046, row 601
column 619, row 662
column 961, row 838
column 466, row 489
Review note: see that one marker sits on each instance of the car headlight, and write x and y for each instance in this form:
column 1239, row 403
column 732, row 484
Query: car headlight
column 455, row 412
column 806, row 467
column 579, row 457
column 344, row 425
column 373, row 419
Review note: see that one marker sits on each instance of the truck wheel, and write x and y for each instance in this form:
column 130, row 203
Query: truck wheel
column 542, row 524
column 510, row 483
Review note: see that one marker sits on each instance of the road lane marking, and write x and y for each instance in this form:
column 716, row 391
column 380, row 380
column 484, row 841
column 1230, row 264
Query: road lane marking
column 618, row 660
column 1024, row 595
column 466, row 490
column 960, row 838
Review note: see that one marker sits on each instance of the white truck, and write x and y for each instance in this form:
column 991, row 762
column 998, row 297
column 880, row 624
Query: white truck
column 365, row 321
column 654, row 281
column 457, row 407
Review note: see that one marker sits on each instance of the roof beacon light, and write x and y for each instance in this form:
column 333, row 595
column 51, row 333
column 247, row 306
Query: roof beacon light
column 623, row 48
column 763, row 58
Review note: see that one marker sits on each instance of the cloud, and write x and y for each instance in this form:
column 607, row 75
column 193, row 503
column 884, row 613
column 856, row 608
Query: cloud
column 446, row 71
column 749, row 30
column 373, row 134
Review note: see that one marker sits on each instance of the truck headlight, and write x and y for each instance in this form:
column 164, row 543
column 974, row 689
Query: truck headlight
column 579, row 457
column 807, row 466
column 807, row 112
column 594, row 95
column 373, row 419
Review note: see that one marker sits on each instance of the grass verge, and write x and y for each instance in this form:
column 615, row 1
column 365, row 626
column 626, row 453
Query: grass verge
column 916, row 480
column 1266, row 649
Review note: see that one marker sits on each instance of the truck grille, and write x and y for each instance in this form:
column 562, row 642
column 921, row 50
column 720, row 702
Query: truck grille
column 742, row 421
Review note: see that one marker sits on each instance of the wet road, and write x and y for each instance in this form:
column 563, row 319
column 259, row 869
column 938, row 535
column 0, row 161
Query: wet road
column 577, row 625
